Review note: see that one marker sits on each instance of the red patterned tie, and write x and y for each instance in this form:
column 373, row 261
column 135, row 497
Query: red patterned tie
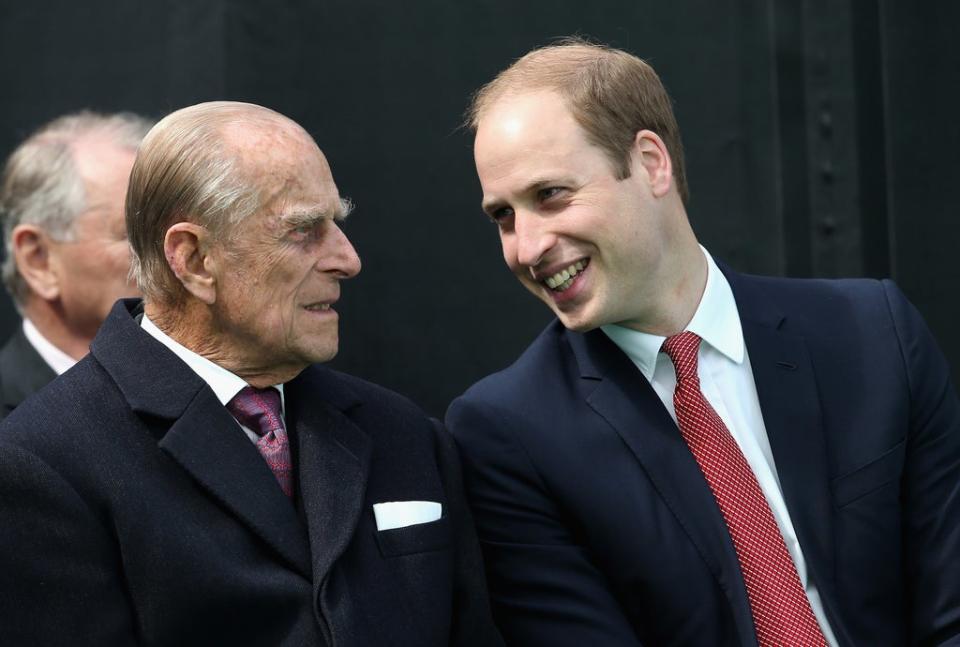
column 259, row 411
column 781, row 611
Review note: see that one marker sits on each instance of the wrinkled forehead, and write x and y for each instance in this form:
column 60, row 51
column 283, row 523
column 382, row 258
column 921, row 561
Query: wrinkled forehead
column 284, row 161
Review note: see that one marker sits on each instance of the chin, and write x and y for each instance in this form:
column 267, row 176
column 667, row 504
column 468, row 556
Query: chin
column 576, row 324
column 323, row 352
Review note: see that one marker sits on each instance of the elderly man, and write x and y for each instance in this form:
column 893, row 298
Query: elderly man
column 195, row 480
column 61, row 200
column 689, row 455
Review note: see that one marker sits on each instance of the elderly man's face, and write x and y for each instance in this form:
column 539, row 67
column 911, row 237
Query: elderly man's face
column 93, row 266
column 278, row 276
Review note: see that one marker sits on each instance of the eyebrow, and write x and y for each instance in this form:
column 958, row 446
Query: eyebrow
column 309, row 217
column 489, row 206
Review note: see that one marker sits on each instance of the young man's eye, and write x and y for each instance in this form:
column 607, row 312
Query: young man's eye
column 549, row 192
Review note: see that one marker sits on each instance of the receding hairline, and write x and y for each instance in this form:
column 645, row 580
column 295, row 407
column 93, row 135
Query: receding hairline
column 224, row 116
column 526, row 75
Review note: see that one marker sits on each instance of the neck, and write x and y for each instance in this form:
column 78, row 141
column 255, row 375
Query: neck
column 676, row 290
column 50, row 321
column 191, row 325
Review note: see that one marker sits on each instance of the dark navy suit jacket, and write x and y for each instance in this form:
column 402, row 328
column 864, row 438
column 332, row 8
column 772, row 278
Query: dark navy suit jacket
column 598, row 527
column 22, row 371
column 135, row 511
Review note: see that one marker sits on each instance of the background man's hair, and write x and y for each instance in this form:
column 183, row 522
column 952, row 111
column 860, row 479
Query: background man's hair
column 187, row 170
column 41, row 185
column 612, row 94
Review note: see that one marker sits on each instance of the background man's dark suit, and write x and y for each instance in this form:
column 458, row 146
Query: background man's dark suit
column 146, row 516
column 22, row 372
column 598, row 527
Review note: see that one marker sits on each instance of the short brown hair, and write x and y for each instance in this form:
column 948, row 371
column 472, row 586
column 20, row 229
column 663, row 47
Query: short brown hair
column 186, row 170
column 612, row 94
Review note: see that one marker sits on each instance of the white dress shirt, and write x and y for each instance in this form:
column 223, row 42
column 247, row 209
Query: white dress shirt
column 726, row 381
column 55, row 358
column 225, row 384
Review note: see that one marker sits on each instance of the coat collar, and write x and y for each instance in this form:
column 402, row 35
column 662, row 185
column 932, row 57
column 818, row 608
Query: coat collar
column 194, row 428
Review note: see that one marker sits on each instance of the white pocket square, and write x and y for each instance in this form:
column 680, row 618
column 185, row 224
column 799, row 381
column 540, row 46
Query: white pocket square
column 400, row 514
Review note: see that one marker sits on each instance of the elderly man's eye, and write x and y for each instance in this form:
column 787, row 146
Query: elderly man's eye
column 499, row 215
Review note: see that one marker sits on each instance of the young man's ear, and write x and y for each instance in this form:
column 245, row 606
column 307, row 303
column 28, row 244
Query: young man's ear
column 186, row 246
column 33, row 252
column 650, row 157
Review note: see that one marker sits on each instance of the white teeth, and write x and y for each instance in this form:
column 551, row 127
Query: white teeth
column 564, row 278
column 318, row 306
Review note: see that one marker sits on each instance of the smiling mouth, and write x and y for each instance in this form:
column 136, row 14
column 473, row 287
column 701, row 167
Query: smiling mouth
column 317, row 307
column 563, row 279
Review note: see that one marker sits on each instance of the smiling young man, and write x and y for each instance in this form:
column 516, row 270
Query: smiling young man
column 689, row 455
column 198, row 479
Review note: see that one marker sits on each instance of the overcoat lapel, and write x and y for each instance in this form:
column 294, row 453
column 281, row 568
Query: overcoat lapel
column 617, row 391
column 207, row 442
column 202, row 436
column 789, row 399
column 334, row 464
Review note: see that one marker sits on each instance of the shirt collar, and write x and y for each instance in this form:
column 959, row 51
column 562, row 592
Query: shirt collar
column 224, row 384
column 716, row 321
column 55, row 358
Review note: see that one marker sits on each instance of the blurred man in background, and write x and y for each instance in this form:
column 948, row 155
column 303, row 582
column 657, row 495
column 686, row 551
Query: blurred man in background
column 67, row 260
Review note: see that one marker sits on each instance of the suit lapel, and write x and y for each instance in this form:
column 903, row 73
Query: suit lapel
column 618, row 392
column 202, row 436
column 333, row 456
column 787, row 390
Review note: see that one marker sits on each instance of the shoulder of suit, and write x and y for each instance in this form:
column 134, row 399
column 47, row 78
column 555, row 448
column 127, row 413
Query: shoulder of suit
column 344, row 391
column 546, row 358
column 815, row 302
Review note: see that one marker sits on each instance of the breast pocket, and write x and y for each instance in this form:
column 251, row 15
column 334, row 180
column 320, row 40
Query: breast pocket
column 418, row 538
column 870, row 478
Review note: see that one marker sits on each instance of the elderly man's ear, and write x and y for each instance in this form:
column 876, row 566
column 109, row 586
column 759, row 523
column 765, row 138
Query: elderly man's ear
column 187, row 249
column 36, row 262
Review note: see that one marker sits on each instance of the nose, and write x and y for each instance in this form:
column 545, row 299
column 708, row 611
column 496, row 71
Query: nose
column 533, row 238
column 342, row 259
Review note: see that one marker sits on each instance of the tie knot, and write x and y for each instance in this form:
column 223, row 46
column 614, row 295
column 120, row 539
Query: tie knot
column 257, row 409
column 682, row 350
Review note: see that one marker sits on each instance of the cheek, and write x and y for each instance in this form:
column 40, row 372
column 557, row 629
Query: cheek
column 120, row 262
column 509, row 251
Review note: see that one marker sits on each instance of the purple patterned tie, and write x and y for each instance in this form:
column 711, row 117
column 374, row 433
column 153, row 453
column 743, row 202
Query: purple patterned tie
column 259, row 411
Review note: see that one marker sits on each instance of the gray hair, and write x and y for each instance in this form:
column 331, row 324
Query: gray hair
column 187, row 170
column 41, row 186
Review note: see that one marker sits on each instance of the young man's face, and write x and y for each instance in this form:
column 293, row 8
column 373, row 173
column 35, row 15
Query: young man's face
column 589, row 245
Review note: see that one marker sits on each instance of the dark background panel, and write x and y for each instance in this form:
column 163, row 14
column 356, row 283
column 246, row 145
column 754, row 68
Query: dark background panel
column 819, row 138
column 921, row 67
